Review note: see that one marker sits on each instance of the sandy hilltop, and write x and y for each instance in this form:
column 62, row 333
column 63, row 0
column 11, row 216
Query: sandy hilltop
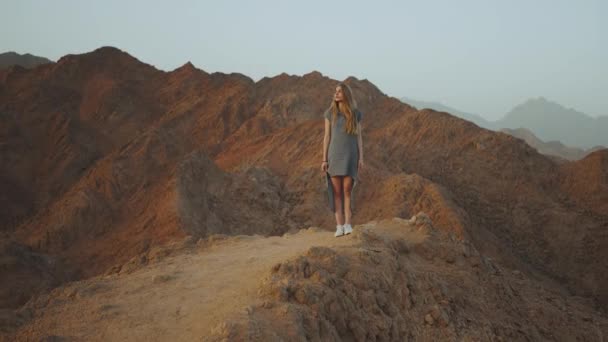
column 140, row 204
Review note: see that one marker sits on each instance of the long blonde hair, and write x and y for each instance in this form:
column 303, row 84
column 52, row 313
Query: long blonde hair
column 346, row 107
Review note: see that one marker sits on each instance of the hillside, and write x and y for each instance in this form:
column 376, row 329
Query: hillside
column 550, row 148
column 28, row 61
column 564, row 131
column 392, row 279
column 104, row 159
column 440, row 107
column 552, row 121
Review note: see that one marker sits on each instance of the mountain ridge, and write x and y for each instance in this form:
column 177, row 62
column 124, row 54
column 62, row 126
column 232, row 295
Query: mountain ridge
column 393, row 279
column 26, row 60
column 548, row 120
column 95, row 192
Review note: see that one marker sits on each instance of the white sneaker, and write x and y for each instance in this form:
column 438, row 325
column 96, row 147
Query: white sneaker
column 347, row 229
column 339, row 230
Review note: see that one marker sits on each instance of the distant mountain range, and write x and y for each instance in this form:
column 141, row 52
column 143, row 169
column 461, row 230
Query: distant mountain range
column 481, row 122
column 547, row 120
column 109, row 166
column 551, row 148
column 27, row 60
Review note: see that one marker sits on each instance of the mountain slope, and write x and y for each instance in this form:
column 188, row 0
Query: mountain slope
column 546, row 119
column 550, row 148
column 108, row 158
column 551, row 121
column 477, row 119
column 392, row 279
column 28, row 61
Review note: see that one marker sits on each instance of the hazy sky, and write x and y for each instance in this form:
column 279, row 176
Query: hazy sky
column 480, row 56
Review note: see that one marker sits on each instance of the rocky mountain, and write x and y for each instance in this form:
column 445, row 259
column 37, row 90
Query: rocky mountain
column 550, row 148
column 551, row 121
column 440, row 107
column 26, row 60
column 106, row 161
column 547, row 120
column 391, row 280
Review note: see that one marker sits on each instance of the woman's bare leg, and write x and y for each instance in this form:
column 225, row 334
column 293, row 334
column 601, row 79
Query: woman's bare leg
column 336, row 184
column 347, row 187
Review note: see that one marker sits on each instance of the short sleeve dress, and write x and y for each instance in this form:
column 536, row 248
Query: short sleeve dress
column 343, row 155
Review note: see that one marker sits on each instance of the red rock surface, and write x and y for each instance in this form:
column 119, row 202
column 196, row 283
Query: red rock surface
column 390, row 280
column 95, row 151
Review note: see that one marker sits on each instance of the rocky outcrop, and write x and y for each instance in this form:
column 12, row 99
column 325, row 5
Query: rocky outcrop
column 407, row 280
column 92, row 148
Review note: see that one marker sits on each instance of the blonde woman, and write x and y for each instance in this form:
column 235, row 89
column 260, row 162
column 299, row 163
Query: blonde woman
column 342, row 155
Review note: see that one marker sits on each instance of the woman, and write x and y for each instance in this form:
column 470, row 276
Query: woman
column 342, row 155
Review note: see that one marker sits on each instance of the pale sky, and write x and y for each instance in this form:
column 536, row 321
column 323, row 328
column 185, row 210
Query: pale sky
column 479, row 56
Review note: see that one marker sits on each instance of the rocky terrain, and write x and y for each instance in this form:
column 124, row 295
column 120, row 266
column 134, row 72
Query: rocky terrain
column 110, row 167
column 392, row 280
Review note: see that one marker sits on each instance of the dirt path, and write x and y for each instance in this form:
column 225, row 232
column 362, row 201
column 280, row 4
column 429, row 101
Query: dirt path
column 429, row 287
column 180, row 298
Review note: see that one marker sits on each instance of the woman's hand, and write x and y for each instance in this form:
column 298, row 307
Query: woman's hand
column 324, row 166
column 361, row 163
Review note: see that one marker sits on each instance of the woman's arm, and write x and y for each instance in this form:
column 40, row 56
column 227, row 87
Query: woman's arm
column 326, row 138
column 360, row 141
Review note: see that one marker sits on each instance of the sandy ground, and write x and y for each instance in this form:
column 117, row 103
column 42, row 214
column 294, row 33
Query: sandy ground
column 391, row 279
column 180, row 298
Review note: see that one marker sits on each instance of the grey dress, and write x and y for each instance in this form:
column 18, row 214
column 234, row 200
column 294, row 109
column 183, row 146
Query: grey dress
column 342, row 156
